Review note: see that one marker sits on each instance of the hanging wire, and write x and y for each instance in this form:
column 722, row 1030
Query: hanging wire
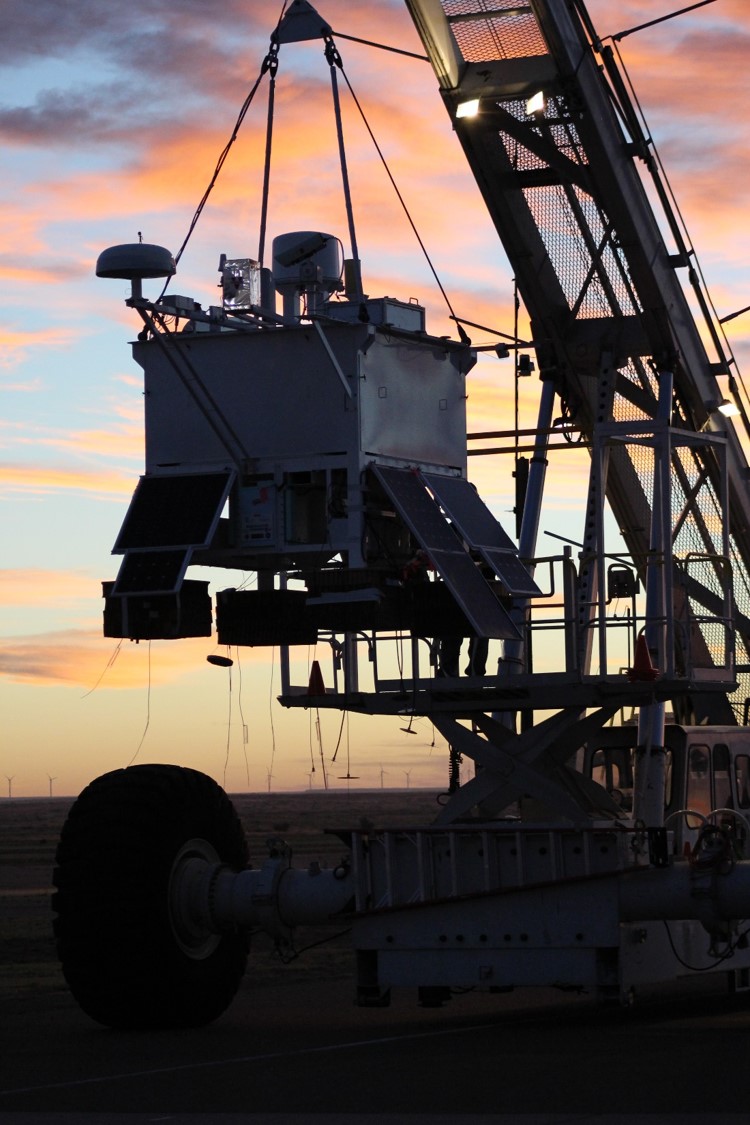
column 338, row 740
column 319, row 736
column 229, row 726
column 270, row 708
column 148, row 711
column 110, row 663
column 242, row 718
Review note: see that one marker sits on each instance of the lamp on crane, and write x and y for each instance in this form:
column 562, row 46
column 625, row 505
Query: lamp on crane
column 716, row 407
column 722, row 406
column 536, row 104
column 469, row 108
column 727, row 408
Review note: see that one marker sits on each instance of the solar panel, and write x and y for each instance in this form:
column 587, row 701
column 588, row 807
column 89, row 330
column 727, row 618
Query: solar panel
column 175, row 510
column 465, row 508
column 152, row 572
column 427, row 524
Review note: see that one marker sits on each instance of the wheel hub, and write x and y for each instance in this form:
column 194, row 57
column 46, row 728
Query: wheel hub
column 189, row 898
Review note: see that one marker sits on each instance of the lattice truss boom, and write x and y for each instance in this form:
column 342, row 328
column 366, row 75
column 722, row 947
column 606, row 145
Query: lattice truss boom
column 571, row 202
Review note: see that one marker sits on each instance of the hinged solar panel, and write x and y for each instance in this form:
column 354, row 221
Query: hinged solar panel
column 423, row 517
column 174, row 510
column 152, row 572
column 478, row 527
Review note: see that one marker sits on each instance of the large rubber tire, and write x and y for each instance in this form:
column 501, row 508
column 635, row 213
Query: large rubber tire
column 115, row 939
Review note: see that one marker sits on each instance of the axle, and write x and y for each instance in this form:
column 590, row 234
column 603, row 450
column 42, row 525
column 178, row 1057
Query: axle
column 207, row 897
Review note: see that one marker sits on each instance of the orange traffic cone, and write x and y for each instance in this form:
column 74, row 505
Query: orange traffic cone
column 643, row 670
column 316, row 685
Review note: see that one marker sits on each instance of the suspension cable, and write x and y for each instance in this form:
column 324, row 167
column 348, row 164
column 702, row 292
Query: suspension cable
column 265, row 66
column 461, row 331
column 273, row 66
column 270, row 65
column 381, row 46
column 333, row 58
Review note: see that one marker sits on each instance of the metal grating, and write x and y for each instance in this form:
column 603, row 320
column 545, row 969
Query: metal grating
column 637, row 372
column 494, row 29
column 590, row 265
column 592, row 272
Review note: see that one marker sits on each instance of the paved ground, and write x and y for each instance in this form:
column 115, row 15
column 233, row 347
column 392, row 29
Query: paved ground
column 298, row 1052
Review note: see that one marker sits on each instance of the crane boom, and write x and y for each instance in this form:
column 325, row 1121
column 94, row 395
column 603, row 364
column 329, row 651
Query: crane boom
column 606, row 277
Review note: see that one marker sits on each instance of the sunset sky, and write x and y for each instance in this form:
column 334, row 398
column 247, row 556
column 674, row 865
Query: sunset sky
column 112, row 117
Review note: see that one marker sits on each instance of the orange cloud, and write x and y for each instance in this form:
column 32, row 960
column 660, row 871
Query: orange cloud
column 123, row 439
column 34, row 587
column 32, row 480
column 84, row 658
column 87, row 659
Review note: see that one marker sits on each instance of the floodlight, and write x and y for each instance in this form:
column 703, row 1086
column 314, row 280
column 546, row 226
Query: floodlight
column 727, row 408
column 468, row 109
column 536, row 104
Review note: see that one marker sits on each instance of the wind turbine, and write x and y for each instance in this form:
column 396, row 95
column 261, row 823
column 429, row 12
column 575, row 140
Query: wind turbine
column 10, row 785
column 51, row 779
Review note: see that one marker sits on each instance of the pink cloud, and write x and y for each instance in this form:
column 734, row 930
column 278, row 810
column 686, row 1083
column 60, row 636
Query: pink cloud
column 16, row 343
column 122, row 439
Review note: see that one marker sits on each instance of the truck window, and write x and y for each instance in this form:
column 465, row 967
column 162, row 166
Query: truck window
column 612, row 769
column 723, row 798
column 742, row 777
column 699, row 780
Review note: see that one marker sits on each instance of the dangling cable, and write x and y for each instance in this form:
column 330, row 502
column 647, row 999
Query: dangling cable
column 338, row 740
column 270, row 708
column 245, row 738
column 107, row 666
column 229, row 729
column 148, row 712
column 319, row 736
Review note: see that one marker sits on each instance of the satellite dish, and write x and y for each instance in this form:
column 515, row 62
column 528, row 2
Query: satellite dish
column 135, row 261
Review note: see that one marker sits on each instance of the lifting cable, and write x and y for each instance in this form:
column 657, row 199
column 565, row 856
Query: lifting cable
column 273, row 65
column 333, row 58
column 270, row 65
column 423, row 248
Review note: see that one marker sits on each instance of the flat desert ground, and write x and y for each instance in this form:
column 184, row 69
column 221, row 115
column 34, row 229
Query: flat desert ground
column 294, row 1049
